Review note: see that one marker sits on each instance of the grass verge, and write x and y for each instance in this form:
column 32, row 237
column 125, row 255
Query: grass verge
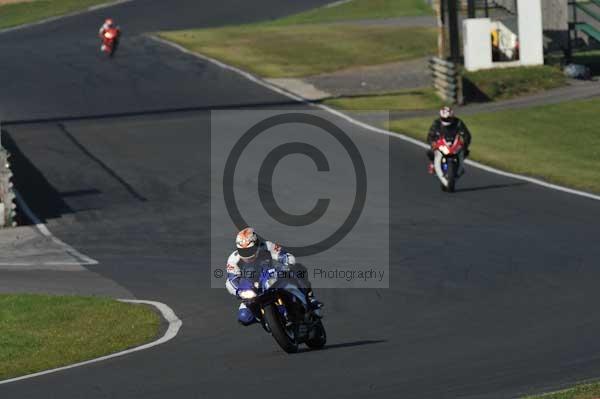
column 14, row 14
column 587, row 391
column 412, row 100
column 39, row 332
column 502, row 84
column 306, row 49
column 559, row 143
column 359, row 9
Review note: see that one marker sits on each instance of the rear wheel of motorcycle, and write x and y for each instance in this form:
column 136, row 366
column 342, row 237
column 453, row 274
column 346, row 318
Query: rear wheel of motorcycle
column 286, row 340
column 451, row 176
column 320, row 338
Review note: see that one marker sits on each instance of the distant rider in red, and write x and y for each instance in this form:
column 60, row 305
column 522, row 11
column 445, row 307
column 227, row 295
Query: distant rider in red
column 108, row 24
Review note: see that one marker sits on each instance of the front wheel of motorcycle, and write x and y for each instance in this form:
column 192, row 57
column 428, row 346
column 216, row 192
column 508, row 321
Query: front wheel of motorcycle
column 285, row 338
column 318, row 337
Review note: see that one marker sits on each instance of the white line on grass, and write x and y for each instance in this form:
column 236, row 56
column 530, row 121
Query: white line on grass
column 337, row 3
column 167, row 313
column 366, row 126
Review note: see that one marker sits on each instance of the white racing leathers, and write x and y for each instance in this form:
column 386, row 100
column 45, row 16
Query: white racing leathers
column 238, row 269
column 266, row 249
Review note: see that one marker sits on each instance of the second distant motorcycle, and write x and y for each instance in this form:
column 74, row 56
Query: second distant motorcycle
column 110, row 35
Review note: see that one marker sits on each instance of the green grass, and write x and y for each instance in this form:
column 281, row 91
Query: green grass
column 404, row 101
column 502, row 84
column 302, row 50
column 22, row 13
column 559, row 143
column 305, row 44
column 360, row 9
column 39, row 332
column 587, row 391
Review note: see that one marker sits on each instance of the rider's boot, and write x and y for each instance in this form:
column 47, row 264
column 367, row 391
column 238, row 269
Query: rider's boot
column 430, row 168
column 315, row 304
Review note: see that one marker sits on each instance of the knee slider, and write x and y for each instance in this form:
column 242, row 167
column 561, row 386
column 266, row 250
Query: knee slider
column 245, row 316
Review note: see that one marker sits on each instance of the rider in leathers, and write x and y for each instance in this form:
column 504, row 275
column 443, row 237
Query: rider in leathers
column 108, row 24
column 448, row 126
column 253, row 251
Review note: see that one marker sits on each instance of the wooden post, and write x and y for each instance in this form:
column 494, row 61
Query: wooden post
column 471, row 8
column 454, row 30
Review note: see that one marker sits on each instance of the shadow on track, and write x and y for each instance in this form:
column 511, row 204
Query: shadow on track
column 489, row 187
column 59, row 119
column 45, row 201
column 101, row 164
column 345, row 345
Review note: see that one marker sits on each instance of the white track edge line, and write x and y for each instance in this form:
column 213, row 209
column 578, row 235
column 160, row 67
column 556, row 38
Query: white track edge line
column 43, row 229
column 56, row 18
column 167, row 313
column 366, row 126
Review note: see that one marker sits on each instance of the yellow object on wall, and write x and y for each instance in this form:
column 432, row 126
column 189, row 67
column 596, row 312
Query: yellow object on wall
column 495, row 38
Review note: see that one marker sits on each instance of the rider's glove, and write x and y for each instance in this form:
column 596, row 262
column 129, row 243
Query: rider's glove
column 284, row 258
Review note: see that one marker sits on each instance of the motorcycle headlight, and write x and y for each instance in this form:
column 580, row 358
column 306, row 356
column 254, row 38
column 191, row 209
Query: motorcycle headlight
column 248, row 294
column 444, row 149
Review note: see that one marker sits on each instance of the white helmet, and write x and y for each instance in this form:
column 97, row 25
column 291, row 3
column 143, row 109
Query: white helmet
column 446, row 115
column 247, row 243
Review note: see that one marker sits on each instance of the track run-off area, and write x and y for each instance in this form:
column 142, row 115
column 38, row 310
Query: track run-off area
column 492, row 290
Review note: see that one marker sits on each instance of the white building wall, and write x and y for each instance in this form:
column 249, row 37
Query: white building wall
column 530, row 33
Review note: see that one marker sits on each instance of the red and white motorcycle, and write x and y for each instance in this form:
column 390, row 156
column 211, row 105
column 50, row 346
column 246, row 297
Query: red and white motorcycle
column 448, row 161
column 110, row 40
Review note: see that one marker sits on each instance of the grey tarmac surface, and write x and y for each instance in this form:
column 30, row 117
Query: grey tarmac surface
column 377, row 79
column 493, row 289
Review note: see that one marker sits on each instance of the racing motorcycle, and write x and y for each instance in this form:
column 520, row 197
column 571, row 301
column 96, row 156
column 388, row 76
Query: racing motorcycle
column 281, row 307
column 110, row 39
column 448, row 161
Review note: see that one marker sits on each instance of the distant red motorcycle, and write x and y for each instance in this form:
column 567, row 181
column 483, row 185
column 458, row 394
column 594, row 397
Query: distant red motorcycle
column 448, row 161
column 110, row 41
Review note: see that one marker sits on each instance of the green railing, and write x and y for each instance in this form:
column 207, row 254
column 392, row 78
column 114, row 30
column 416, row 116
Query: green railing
column 588, row 8
column 588, row 29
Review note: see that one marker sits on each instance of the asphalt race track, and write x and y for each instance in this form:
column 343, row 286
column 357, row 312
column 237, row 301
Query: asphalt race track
column 493, row 290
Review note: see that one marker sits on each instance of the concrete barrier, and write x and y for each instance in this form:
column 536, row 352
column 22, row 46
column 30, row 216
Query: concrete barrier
column 447, row 80
column 8, row 205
